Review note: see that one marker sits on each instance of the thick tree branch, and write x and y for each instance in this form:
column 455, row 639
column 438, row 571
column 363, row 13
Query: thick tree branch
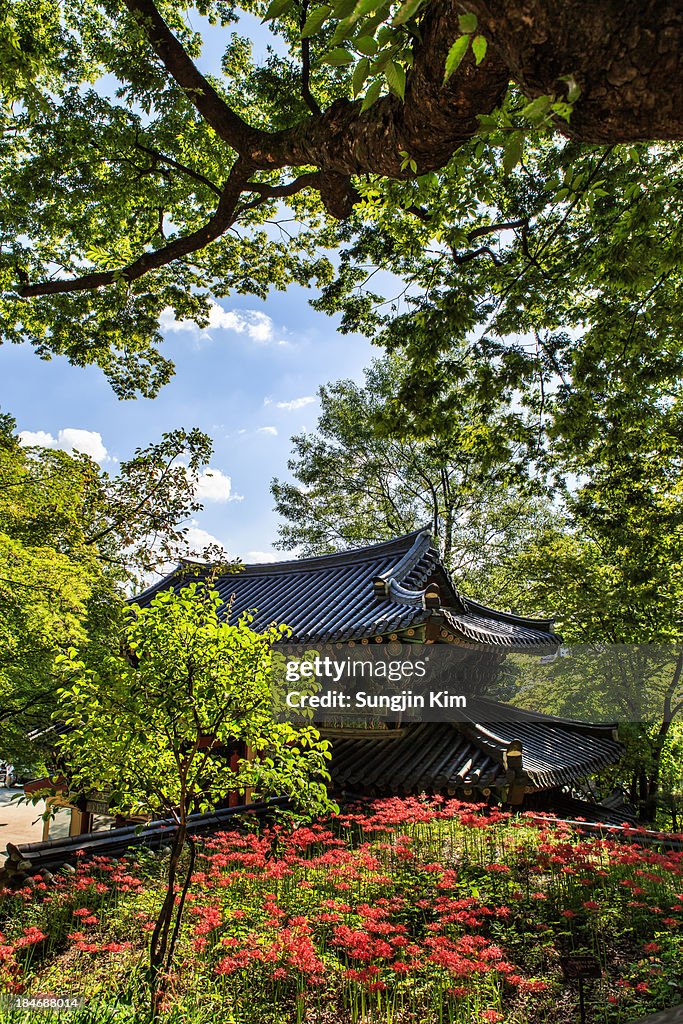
column 625, row 57
column 491, row 229
column 266, row 192
column 213, row 108
column 222, row 219
column 342, row 141
column 225, row 216
column 309, row 180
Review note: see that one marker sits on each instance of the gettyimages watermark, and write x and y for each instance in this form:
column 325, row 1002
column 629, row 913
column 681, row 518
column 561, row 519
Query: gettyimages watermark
column 394, row 682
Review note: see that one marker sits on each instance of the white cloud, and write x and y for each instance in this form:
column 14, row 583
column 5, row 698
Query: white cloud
column 213, row 485
column 37, row 439
column 256, row 325
column 198, row 539
column 254, row 557
column 295, row 403
column 267, row 430
column 89, row 442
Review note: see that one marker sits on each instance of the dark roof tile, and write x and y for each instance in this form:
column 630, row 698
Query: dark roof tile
column 356, row 595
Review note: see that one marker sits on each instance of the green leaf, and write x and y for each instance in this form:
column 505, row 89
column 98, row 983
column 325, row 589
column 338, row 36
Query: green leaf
column 396, row 78
column 360, row 73
column 537, row 109
column 467, row 22
column 573, row 88
column 479, row 47
column 276, row 8
column 343, row 9
column 513, row 151
column 380, row 62
column 365, row 7
column 315, row 20
column 372, row 95
column 455, row 56
column 337, row 58
column 368, row 26
column 406, row 12
column 366, row 44
column 343, row 31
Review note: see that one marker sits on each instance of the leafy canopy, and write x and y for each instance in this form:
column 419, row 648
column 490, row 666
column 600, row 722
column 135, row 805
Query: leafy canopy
column 467, row 482
column 155, row 723
column 133, row 183
column 72, row 537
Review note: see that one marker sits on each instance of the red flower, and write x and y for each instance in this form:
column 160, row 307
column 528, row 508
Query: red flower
column 30, row 937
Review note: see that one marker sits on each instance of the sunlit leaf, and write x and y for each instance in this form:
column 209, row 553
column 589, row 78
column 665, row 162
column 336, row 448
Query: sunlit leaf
column 396, row 78
column 479, row 47
column 372, row 95
column 315, row 20
column 455, row 56
column 360, row 73
column 366, row 44
column 276, row 8
column 467, row 22
column 406, row 11
column 337, row 58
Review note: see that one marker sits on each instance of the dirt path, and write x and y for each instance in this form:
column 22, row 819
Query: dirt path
column 19, row 823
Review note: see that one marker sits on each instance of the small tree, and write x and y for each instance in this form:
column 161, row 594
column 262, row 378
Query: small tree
column 153, row 724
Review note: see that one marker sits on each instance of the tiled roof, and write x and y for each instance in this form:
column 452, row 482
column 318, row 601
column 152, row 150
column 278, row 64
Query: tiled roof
column 442, row 757
column 368, row 592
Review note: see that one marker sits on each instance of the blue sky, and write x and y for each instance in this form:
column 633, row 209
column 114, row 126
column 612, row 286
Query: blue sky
column 243, row 381
column 249, row 381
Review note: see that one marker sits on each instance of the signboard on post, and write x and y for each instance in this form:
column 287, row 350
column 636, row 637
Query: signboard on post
column 97, row 802
column 579, row 966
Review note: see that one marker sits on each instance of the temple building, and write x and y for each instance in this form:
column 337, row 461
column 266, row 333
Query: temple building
column 400, row 592
column 391, row 594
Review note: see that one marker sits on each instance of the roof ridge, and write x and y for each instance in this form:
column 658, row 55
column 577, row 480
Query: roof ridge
column 514, row 713
column 546, row 624
column 367, row 552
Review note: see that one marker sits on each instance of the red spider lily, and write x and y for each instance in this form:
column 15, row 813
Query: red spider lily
column 533, row 985
column 209, row 918
column 30, row 937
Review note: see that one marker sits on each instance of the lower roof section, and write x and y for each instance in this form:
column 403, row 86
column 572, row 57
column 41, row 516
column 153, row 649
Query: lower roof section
column 447, row 757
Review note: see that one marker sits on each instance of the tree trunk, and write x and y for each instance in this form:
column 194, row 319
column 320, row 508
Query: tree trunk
column 158, row 962
column 668, row 714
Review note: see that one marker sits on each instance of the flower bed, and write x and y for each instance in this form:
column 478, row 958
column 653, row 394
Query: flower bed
column 410, row 910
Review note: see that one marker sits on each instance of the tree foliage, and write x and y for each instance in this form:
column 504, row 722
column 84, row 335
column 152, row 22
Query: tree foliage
column 132, row 182
column 467, row 482
column 71, row 538
column 156, row 720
